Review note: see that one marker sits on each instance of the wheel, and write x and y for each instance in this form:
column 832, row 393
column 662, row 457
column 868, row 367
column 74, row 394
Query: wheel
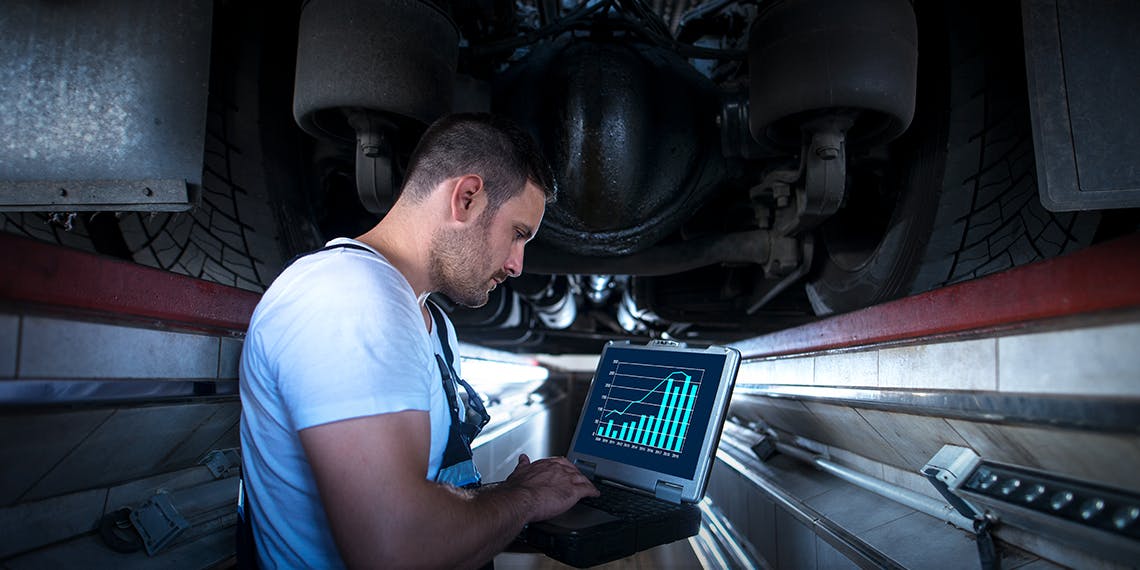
column 964, row 202
column 252, row 215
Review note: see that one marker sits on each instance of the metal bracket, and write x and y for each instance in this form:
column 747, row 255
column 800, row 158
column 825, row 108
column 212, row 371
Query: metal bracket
column 158, row 522
column 96, row 195
column 797, row 271
column 825, row 174
column 222, row 462
column 375, row 178
column 947, row 470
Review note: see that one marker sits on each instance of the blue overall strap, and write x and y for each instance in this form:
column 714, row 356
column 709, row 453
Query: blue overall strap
column 326, row 248
column 476, row 410
column 457, row 466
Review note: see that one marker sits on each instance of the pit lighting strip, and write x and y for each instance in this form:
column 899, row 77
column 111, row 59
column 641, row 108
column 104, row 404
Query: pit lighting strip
column 1086, row 504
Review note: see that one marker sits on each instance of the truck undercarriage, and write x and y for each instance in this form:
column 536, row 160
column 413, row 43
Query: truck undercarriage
column 916, row 220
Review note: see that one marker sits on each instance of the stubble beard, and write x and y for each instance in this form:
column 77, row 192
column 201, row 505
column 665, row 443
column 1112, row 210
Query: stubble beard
column 457, row 261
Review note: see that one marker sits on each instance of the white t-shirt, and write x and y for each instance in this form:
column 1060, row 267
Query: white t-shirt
column 338, row 335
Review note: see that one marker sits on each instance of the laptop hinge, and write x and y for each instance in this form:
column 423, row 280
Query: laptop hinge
column 588, row 469
column 668, row 492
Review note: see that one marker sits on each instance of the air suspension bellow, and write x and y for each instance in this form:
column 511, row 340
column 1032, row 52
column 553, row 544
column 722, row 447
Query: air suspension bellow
column 391, row 57
column 815, row 58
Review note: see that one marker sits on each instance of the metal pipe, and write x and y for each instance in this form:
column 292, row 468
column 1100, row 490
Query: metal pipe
column 916, row 501
column 742, row 247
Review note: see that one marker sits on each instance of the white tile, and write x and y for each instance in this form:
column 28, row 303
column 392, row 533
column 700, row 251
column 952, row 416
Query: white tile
column 31, row 525
column 796, row 371
column 1103, row 361
column 855, row 461
column 791, row 416
column 134, row 443
column 915, row 438
column 959, row 365
column 229, row 359
column 921, row 541
column 795, row 542
column 844, row 427
column 847, row 369
column 36, row 442
column 9, row 342
column 54, row 348
column 911, row 480
column 755, row 372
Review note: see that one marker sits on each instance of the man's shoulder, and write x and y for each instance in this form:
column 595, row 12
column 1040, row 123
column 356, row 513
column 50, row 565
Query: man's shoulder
column 348, row 270
column 340, row 282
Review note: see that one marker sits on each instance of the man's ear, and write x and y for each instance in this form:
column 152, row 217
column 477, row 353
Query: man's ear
column 467, row 197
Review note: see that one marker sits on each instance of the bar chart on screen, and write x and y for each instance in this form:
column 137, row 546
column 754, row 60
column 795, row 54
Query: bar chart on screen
column 648, row 407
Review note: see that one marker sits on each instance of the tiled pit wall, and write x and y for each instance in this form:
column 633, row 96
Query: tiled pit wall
column 1098, row 362
column 65, row 466
column 35, row 347
column 1101, row 362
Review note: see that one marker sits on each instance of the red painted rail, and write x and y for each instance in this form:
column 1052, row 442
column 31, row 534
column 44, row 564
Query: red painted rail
column 1100, row 278
column 39, row 274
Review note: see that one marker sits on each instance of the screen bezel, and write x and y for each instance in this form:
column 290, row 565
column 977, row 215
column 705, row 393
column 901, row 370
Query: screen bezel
column 693, row 489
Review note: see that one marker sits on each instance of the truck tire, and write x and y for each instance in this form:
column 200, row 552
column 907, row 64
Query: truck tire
column 251, row 215
column 965, row 202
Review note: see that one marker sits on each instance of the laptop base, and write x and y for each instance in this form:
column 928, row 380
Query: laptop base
column 565, row 540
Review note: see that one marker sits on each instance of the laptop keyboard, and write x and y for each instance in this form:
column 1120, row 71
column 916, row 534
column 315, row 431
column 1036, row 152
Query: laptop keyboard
column 628, row 504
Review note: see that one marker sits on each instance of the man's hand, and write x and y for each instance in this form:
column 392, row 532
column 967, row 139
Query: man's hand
column 384, row 513
column 550, row 486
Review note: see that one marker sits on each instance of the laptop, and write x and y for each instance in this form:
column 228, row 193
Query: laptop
column 647, row 438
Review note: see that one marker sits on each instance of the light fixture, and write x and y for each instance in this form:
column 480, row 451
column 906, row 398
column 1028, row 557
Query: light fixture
column 1084, row 514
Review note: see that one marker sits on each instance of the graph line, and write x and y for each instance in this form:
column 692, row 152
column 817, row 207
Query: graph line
column 663, row 380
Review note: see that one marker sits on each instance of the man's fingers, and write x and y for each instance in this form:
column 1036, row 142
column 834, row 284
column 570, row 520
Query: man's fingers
column 523, row 459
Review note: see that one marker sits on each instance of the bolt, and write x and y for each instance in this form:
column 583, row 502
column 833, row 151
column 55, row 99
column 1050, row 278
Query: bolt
column 781, row 192
column 148, row 191
column 63, row 192
column 827, row 152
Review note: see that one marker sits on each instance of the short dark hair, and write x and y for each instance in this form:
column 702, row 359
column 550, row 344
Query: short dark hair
column 495, row 148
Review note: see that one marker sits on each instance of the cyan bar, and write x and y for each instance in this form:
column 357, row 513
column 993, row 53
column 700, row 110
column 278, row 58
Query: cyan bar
column 610, row 429
column 675, row 414
column 649, row 425
column 663, row 415
column 685, row 420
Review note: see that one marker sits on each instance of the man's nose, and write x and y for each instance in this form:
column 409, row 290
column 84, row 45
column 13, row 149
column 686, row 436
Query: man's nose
column 514, row 263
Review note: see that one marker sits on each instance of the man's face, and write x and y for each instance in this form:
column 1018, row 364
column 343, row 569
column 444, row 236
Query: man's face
column 466, row 264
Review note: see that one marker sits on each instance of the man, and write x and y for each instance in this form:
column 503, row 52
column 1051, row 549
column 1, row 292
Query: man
column 345, row 416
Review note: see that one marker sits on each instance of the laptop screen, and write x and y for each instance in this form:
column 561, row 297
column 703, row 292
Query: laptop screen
column 650, row 408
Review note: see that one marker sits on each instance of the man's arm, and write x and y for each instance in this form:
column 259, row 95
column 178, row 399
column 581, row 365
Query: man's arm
column 371, row 473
